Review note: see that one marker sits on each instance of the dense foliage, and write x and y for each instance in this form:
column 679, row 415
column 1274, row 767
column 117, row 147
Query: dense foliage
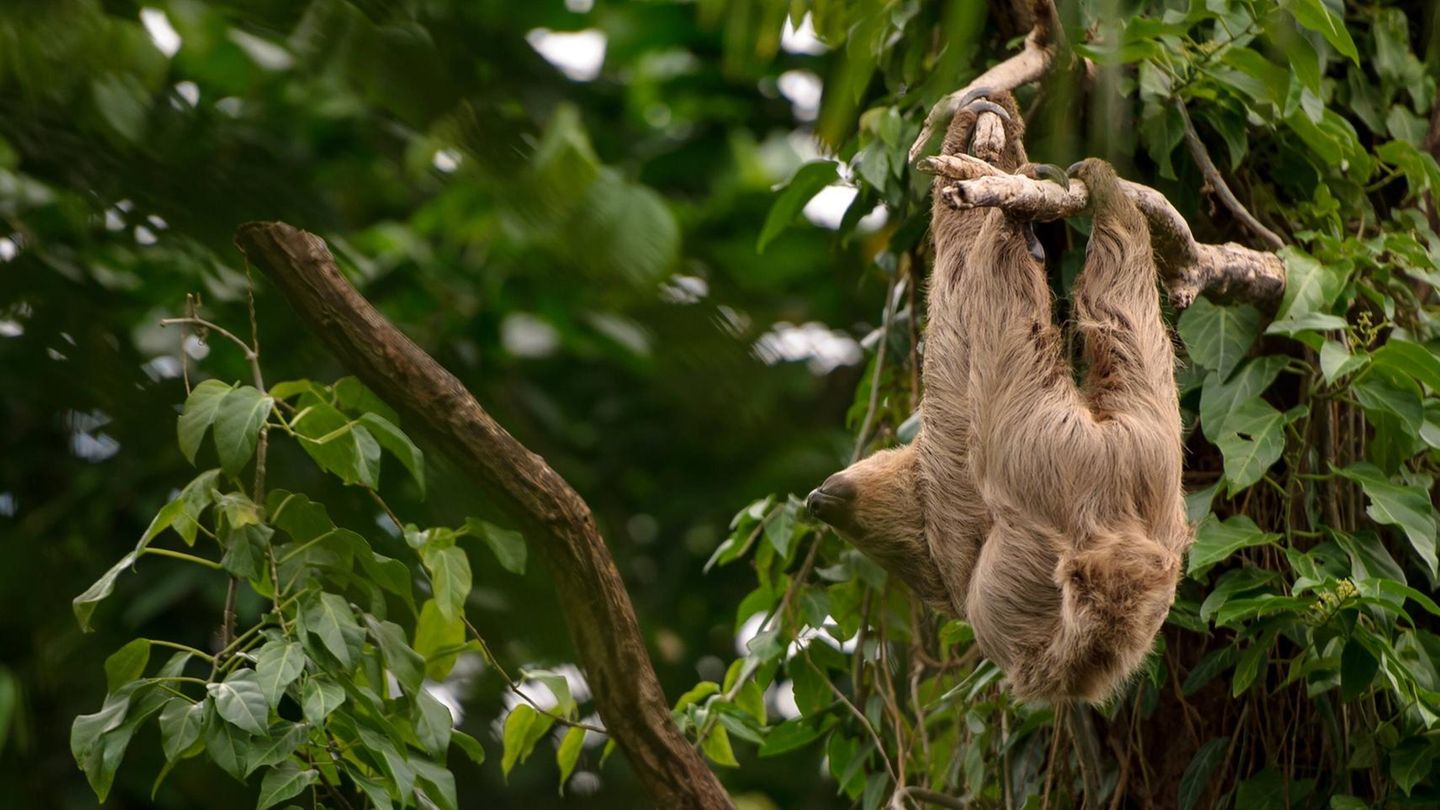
column 581, row 249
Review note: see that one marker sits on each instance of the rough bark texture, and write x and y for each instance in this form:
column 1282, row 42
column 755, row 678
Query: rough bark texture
column 1188, row 268
column 596, row 606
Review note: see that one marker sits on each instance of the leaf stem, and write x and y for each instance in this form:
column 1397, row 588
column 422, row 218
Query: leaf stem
column 180, row 555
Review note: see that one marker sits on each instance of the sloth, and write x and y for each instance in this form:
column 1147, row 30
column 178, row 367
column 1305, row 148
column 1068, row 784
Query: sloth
column 1048, row 514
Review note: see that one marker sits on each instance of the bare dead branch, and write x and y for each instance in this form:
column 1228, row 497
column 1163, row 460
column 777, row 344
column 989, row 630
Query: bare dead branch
column 1217, row 183
column 1024, row 67
column 1188, row 268
column 592, row 596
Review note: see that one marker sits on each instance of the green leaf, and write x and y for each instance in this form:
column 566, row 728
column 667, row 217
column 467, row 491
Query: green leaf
column 717, row 748
column 569, row 753
column 399, row 445
column 1308, row 322
column 276, row 748
column 227, row 746
column 806, row 183
column 126, row 664
column 1218, row 336
column 199, row 414
column 450, row 575
column 1248, row 667
column 1411, row 762
column 245, row 550
column 277, row 665
column 438, row 640
column 1309, row 285
column 1336, row 361
column 329, row 619
column 1252, row 441
column 341, row 447
column 87, row 729
column 238, row 419
column 84, row 604
column 240, row 700
column 404, row 663
column 558, row 686
column 523, row 728
column 507, row 545
column 433, row 723
column 284, row 782
column 436, row 784
column 1411, row 359
column 1196, row 780
column 1314, row 15
column 1232, row 584
column 1347, row 803
column 788, row 736
column 1263, row 791
column 1357, row 670
column 319, row 697
column 471, row 746
column 1216, row 540
column 180, row 725
column 1219, row 398
column 1400, row 505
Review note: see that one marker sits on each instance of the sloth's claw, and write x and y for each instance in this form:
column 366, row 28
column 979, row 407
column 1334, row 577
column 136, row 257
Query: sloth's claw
column 1032, row 242
column 983, row 105
column 972, row 94
column 1051, row 172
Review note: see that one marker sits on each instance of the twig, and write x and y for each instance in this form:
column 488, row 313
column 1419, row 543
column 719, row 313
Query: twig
column 1217, row 183
column 859, row 715
column 250, row 354
column 881, row 347
column 927, row 796
column 1086, row 746
column 1187, row 267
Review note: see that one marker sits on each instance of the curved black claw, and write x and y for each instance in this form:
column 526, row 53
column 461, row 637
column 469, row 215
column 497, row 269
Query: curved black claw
column 972, row 94
column 1051, row 172
column 982, row 105
column 1037, row 250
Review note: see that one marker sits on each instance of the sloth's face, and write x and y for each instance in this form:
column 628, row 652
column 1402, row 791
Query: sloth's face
column 834, row 502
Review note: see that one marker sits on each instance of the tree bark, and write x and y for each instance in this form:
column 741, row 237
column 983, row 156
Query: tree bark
column 592, row 595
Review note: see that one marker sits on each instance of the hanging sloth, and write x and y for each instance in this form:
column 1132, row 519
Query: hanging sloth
column 1049, row 515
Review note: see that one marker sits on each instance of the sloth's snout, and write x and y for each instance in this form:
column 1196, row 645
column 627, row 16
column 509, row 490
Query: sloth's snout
column 832, row 499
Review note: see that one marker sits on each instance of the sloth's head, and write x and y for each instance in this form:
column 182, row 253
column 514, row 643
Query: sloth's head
column 874, row 504
column 866, row 500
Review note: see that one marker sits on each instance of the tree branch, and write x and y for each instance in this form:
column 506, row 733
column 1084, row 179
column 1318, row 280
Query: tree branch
column 596, row 606
column 1187, row 267
column 1217, row 183
column 1024, row 67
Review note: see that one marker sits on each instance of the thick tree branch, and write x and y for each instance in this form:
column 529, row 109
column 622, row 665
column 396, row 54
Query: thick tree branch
column 596, row 606
column 1187, row 267
column 1024, row 67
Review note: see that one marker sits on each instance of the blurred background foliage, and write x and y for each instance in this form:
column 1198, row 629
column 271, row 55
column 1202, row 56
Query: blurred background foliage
column 580, row 251
column 563, row 203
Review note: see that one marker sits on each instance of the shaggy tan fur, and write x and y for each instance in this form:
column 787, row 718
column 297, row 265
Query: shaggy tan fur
column 1049, row 515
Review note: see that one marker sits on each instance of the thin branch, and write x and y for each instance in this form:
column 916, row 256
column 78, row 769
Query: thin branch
column 927, row 796
column 1219, row 186
column 1028, row 65
column 1187, row 267
column 250, row 354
